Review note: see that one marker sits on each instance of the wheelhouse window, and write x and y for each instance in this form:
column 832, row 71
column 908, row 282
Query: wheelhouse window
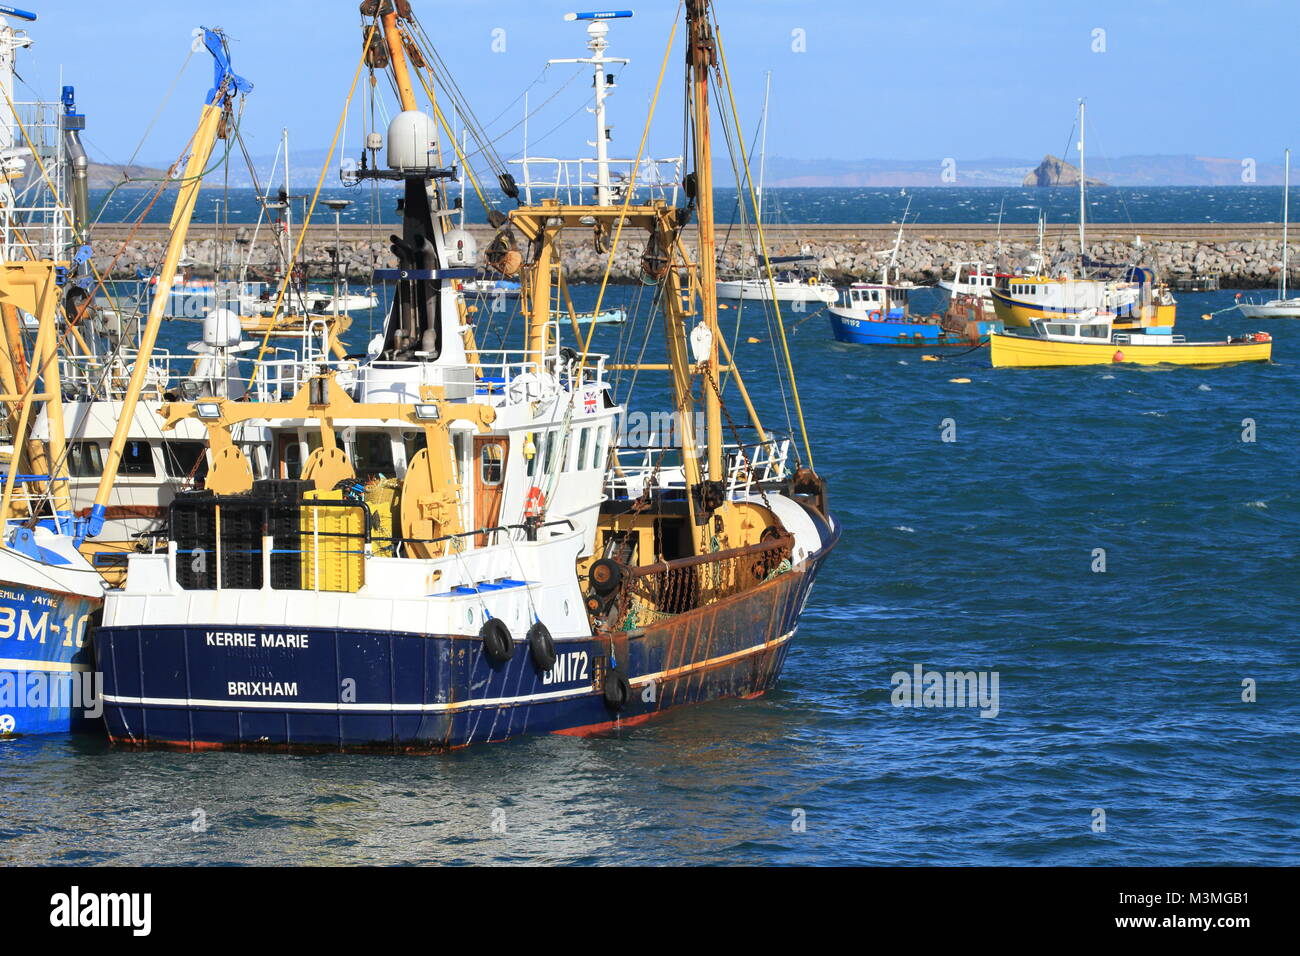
column 582, row 449
column 539, row 449
column 137, row 459
column 372, row 455
column 598, row 449
column 185, row 459
column 491, row 465
column 84, row 460
column 414, row 443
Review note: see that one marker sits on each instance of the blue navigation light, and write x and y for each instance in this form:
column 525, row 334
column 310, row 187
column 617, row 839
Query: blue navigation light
column 15, row 12
column 599, row 15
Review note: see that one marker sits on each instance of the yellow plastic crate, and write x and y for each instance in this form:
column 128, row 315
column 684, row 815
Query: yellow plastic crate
column 330, row 561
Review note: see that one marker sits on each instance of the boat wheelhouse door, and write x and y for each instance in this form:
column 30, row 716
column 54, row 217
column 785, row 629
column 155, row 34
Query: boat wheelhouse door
column 489, row 482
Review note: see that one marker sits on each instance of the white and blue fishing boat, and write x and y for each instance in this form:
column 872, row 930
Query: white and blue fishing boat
column 879, row 313
column 49, row 593
column 443, row 546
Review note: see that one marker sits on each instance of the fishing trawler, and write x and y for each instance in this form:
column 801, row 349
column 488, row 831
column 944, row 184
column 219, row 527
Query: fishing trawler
column 49, row 594
column 1133, row 295
column 463, row 556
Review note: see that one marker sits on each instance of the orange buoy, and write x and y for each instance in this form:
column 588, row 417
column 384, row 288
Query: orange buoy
column 1118, row 356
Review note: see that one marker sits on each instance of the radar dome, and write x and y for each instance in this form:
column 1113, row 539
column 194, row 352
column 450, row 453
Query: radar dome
column 411, row 137
column 221, row 329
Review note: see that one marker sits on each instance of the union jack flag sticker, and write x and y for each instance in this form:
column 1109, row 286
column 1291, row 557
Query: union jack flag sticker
column 589, row 403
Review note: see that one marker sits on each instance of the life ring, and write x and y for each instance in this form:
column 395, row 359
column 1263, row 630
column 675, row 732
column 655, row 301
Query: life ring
column 534, row 502
column 1118, row 356
column 874, row 315
column 617, row 689
column 541, row 646
column 498, row 644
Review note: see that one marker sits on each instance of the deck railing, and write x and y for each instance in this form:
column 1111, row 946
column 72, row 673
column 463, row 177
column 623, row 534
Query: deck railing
column 653, row 592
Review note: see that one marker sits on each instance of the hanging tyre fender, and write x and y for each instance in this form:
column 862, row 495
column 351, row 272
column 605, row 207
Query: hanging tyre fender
column 605, row 576
column 541, row 646
column 498, row 644
column 618, row 690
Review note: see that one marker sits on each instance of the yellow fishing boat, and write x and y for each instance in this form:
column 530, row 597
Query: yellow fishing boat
column 1091, row 340
column 1141, row 303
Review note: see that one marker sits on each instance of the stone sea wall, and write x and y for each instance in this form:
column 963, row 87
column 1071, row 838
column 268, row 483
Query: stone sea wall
column 1246, row 256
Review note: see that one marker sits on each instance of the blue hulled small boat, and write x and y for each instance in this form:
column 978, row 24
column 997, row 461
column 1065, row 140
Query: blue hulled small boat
column 877, row 314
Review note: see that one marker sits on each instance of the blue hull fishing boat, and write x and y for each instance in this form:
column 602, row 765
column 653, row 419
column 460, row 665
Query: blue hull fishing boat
column 47, row 602
column 49, row 593
column 876, row 314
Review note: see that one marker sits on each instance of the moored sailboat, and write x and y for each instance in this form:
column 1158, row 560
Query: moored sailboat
column 1282, row 307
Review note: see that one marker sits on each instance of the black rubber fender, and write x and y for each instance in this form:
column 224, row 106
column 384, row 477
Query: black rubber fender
column 605, row 576
column 498, row 643
column 541, row 646
column 618, row 690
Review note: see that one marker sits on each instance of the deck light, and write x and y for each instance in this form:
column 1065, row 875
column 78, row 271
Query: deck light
column 427, row 413
column 208, row 410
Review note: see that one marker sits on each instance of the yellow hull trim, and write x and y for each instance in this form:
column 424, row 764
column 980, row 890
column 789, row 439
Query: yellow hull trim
column 1018, row 351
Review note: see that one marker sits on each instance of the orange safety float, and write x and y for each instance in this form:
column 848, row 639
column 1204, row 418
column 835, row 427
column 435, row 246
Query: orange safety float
column 534, row 502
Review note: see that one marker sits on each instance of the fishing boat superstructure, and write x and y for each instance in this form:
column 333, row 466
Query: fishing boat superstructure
column 498, row 580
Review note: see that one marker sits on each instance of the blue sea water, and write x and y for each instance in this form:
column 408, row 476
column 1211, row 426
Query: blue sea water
column 930, row 204
column 1119, row 691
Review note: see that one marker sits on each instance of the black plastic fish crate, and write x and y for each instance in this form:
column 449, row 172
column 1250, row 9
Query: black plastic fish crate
column 193, row 528
column 241, row 543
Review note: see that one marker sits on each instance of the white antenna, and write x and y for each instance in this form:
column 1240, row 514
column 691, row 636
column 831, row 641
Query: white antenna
column 597, row 30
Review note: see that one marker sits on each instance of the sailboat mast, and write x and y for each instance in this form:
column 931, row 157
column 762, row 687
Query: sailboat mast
column 762, row 150
column 700, row 57
column 1286, row 216
column 1083, row 209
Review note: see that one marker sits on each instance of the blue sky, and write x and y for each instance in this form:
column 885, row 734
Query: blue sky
column 880, row 80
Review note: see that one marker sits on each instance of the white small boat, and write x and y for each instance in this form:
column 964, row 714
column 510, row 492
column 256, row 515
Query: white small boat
column 1276, row 309
column 971, row 278
column 788, row 288
column 604, row 317
column 1281, row 307
column 324, row 303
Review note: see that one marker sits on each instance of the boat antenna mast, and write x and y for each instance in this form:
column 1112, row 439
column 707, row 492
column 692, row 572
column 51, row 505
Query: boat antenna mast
column 602, row 85
column 1083, row 207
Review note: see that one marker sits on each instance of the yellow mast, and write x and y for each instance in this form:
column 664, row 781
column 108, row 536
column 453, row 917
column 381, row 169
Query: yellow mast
column 205, row 136
column 31, row 286
column 700, row 58
column 397, row 57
